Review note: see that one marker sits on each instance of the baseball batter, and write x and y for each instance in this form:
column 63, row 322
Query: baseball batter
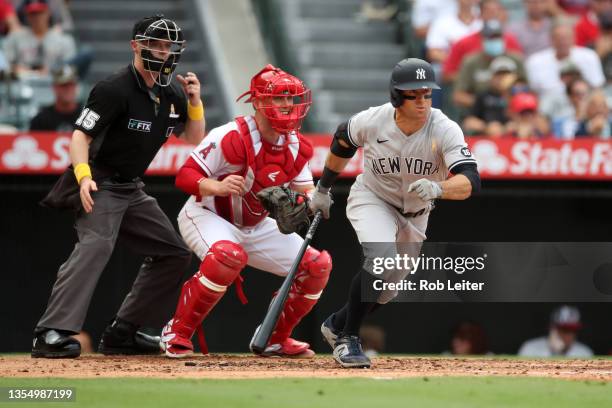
column 227, row 227
column 409, row 150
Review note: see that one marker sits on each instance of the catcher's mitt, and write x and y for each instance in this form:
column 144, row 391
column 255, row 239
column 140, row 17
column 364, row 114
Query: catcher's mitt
column 287, row 207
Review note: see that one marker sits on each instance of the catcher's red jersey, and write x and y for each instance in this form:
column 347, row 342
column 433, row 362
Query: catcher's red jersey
column 238, row 148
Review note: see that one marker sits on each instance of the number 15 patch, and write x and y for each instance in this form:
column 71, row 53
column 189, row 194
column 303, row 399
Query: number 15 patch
column 87, row 119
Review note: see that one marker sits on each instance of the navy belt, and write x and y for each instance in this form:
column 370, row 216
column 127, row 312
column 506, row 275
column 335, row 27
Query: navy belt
column 410, row 214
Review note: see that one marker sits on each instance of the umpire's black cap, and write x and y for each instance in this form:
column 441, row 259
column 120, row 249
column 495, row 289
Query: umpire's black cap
column 413, row 73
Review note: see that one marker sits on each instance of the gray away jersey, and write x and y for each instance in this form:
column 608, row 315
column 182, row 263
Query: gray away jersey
column 392, row 160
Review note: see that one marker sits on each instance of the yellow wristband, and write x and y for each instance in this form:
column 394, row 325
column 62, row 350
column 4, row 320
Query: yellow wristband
column 82, row 170
column 195, row 112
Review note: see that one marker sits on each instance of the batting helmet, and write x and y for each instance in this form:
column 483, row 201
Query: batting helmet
column 273, row 82
column 410, row 74
column 159, row 28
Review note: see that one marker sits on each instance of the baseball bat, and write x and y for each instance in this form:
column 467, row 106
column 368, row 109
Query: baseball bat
column 262, row 336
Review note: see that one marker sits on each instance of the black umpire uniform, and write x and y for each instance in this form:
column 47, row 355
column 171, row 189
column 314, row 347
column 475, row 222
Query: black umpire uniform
column 128, row 123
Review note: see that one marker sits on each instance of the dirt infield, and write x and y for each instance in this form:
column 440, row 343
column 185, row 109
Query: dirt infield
column 245, row 366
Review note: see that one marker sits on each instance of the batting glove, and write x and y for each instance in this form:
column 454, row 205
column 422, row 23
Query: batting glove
column 426, row 189
column 321, row 199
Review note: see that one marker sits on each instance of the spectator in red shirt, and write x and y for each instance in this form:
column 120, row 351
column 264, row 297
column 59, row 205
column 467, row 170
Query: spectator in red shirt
column 8, row 18
column 489, row 10
column 587, row 29
column 447, row 29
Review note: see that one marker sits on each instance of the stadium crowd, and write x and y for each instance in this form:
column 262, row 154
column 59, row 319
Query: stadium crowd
column 40, row 65
column 510, row 68
column 516, row 68
column 544, row 74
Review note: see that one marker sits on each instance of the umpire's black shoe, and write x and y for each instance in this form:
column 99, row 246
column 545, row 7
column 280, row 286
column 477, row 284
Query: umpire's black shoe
column 329, row 332
column 122, row 337
column 51, row 343
column 348, row 353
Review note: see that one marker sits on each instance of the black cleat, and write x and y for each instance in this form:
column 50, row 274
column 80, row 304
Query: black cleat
column 51, row 343
column 348, row 353
column 122, row 337
column 329, row 332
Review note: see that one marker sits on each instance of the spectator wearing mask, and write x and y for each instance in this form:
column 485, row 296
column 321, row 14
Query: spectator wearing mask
column 533, row 33
column 475, row 73
column 561, row 340
column 449, row 28
column 36, row 48
column 473, row 43
column 62, row 115
column 597, row 122
column 525, row 122
column 489, row 114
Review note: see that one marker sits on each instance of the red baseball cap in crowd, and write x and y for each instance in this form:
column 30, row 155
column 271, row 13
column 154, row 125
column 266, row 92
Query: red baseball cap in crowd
column 35, row 6
column 523, row 102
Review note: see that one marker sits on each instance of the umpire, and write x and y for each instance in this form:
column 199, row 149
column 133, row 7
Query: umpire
column 128, row 117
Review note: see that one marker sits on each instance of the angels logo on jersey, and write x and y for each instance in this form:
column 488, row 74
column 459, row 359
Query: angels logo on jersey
column 204, row 152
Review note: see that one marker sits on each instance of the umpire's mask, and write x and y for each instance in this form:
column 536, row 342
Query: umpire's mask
column 159, row 36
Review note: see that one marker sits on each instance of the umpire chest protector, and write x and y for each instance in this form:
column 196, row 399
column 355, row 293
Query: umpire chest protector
column 265, row 165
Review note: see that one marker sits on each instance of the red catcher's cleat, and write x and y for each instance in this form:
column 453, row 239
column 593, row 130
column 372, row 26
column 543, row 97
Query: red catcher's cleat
column 289, row 348
column 173, row 345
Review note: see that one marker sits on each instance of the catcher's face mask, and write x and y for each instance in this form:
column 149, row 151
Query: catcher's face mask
column 282, row 98
column 161, row 44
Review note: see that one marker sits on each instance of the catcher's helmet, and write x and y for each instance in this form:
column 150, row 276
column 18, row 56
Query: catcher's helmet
column 410, row 74
column 159, row 28
column 273, row 82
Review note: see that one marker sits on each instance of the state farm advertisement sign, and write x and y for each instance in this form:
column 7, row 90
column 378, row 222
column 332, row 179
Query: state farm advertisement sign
column 47, row 153
column 544, row 159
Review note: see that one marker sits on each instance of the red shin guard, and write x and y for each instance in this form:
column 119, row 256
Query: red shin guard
column 310, row 281
column 220, row 267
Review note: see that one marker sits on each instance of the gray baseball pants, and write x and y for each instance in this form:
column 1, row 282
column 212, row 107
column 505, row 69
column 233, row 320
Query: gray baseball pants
column 120, row 209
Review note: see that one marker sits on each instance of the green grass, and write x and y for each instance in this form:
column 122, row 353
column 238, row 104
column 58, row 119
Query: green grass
column 420, row 392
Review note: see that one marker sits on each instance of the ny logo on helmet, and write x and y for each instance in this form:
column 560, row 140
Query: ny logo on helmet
column 420, row 73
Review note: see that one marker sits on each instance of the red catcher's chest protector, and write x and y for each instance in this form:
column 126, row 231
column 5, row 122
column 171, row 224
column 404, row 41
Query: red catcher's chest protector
column 266, row 165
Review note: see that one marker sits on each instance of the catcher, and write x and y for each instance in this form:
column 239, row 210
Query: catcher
column 238, row 174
